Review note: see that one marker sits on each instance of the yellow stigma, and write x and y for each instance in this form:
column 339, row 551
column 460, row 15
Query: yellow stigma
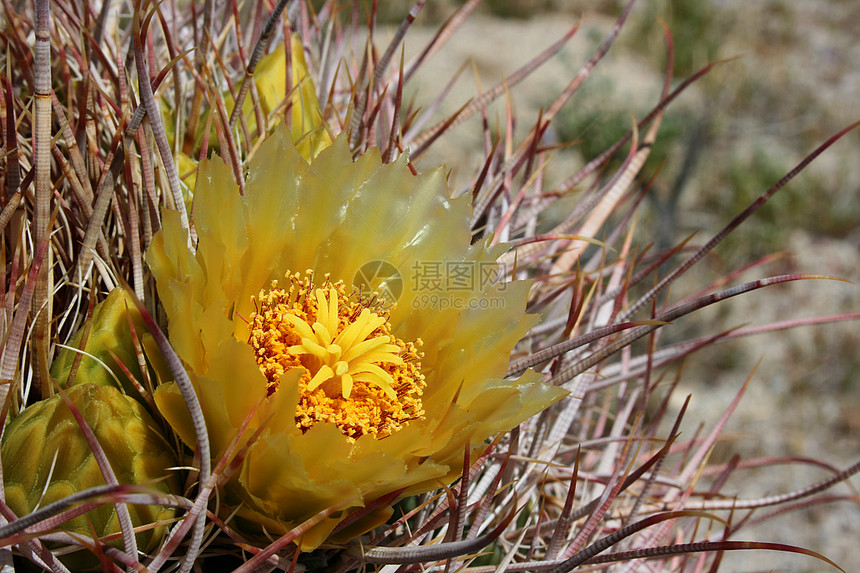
column 357, row 376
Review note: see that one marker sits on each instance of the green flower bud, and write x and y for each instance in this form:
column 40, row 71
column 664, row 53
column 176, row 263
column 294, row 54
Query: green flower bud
column 110, row 340
column 46, row 458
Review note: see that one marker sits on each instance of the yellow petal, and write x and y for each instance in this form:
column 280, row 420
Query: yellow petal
column 307, row 126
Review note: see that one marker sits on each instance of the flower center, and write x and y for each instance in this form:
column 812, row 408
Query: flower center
column 357, row 375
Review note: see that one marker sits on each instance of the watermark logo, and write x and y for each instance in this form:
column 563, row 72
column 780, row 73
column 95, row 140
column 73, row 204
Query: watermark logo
column 434, row 301
column 462, row 285
column 379, row 277
column 457, row 276
column 435, row 285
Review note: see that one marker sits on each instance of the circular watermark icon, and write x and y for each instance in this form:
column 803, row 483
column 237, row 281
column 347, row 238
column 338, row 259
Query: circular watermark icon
column 381, row 278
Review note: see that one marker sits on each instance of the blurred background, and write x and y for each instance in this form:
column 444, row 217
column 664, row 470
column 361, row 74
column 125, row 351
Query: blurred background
column 793, row 82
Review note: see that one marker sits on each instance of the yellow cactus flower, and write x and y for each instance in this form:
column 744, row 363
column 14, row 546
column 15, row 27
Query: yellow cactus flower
column 339, row 308
column 46, row 458
column 306, row 124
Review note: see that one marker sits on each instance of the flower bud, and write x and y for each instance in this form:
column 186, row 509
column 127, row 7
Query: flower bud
column 46, row 458
column 110, row 340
